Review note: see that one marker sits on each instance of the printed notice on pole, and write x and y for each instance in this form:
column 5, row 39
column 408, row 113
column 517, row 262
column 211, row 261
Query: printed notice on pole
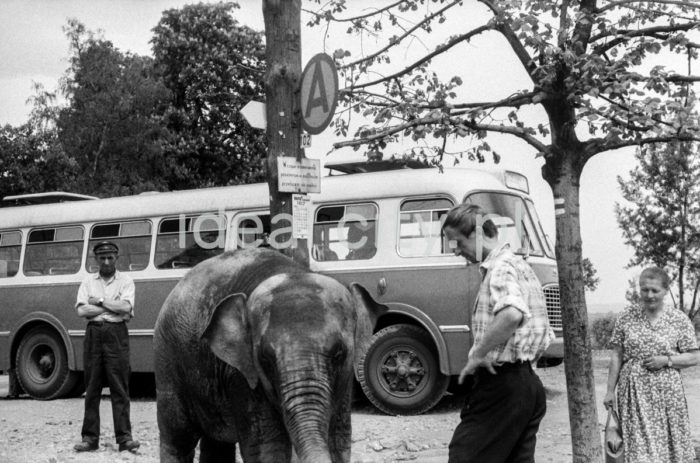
column 301, row 211
column 303, row 176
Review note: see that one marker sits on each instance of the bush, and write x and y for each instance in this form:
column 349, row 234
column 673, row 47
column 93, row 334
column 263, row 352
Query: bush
column 601, row 330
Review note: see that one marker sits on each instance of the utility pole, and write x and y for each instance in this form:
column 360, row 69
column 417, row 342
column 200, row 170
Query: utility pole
column 283, row 55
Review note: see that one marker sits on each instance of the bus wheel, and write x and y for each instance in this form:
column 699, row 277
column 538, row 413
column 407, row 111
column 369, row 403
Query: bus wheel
column 399, row 372
column 42, row 365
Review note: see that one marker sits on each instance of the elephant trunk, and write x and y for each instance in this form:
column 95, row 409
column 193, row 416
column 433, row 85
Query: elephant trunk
column 306, row 408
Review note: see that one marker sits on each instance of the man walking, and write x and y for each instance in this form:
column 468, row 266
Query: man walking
column 501, row 416
column 106, row 301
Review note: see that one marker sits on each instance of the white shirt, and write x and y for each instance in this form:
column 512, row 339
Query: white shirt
column 118, row 288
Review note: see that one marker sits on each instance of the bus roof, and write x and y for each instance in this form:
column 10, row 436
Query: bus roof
column 357, row 167
column 454, row 182
column 46, row 198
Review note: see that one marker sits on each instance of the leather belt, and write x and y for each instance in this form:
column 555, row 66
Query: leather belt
column 104, row 323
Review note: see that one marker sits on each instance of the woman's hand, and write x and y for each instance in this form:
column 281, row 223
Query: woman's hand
column 609, row 399
column 655, row 362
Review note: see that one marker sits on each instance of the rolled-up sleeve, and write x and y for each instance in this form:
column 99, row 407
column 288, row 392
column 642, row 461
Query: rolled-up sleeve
column 127, row 293
column 83, row 295
column 507, row 292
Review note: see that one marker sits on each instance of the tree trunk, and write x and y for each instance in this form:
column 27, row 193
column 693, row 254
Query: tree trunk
column 283, row 55
column 564, row 178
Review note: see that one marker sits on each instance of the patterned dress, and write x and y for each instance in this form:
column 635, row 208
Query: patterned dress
column 652, row 405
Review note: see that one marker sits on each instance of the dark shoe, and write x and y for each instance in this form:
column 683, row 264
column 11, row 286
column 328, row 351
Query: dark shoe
column 130, row 445
column 85, row 447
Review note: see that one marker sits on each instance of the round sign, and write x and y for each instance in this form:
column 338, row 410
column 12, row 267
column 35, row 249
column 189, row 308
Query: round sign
column 319, row 93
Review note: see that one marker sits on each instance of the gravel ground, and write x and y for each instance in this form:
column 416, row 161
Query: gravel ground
column 45, row 432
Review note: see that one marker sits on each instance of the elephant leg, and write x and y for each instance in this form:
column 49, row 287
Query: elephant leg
column 178, row 437
column 340, row 431
column 213, row 451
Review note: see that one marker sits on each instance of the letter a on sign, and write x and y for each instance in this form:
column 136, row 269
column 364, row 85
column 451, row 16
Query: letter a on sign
column 318, row 87
column 318, row 93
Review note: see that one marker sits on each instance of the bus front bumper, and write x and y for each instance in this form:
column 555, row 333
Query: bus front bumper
column 555, row 349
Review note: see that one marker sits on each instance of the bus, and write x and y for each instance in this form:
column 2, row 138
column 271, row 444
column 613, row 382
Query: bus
column 371, row 223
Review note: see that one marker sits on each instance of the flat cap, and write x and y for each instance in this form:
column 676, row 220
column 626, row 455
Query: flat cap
column 104, row 247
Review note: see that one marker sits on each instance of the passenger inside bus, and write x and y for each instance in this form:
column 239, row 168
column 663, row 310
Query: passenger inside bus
column 320, row 250
column 356, row 233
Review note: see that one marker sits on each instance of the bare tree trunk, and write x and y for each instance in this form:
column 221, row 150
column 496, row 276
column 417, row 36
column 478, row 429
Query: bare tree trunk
column 564, row 179
column 283, row 55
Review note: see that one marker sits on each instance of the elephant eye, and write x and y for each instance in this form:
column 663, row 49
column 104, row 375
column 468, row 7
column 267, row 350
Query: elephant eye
column 339, row 355
column 266, row 360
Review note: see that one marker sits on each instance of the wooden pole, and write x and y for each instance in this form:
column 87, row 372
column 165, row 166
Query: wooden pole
column 283, row 55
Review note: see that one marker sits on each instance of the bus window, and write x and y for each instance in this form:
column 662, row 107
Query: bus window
column 185, row 241
column 549, row 249
column 420, row 227
column 253, row 231
column 514, row 222
column 345, row 232
column 132, row 238
column 10, row 246
column 53, row 251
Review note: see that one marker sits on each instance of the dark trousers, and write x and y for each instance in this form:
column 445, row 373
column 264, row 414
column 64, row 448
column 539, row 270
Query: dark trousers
column 500, row 418
column 106, row 357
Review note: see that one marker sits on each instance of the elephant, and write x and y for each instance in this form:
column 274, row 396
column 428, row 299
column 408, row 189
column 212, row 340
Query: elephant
column 255, row 350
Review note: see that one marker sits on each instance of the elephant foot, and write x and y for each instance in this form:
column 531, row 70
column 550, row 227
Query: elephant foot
column 213, row 451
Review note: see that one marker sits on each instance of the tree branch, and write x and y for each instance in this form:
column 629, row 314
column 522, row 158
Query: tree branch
column 581, row 36
column 649, row 31
column 357, row 18
column 620, row 3
column 563, row 19
column 511, row 101
column 389, row 131
column 600, row 145
column 630, row 110
column 423, row 60
column 677, row 78
column 512, row 39
column 515, row 131
column 514, row 101
column 406, row 34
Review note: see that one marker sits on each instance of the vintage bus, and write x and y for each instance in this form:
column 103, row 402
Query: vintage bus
column 380, row 229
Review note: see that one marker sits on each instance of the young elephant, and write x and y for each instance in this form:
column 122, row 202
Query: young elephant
column 252, row 348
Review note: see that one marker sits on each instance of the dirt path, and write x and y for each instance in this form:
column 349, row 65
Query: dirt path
column 44, row 432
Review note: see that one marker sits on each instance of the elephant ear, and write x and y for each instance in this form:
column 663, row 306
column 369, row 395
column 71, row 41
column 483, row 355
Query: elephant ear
column 228, row 336
column 368, row 312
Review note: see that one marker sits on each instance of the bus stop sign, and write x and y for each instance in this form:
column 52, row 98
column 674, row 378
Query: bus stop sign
column 319, row 93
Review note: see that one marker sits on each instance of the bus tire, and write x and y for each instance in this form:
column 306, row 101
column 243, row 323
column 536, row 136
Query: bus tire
column 399, row 371
column 42, row 365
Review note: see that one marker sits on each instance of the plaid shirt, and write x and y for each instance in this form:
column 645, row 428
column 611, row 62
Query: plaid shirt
column 509, row 281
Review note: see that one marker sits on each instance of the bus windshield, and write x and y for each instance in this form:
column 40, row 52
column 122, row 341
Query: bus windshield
column 516, row 225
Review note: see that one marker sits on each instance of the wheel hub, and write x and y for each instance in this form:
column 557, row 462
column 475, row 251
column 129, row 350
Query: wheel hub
column 402, row 370
column 43, row 362
column 46, row 363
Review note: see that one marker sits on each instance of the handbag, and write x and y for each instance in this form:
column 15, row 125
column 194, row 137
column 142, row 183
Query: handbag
column 614, row 448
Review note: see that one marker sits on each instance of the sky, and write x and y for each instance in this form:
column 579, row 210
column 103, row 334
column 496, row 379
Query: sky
column 33, row 48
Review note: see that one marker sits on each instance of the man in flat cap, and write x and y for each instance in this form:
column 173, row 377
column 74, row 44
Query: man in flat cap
column 106, row 301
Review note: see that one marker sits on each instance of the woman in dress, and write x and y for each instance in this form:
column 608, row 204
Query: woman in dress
column 651, row 343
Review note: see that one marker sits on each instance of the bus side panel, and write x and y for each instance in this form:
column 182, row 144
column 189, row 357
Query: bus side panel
column 16, row 302
column 445, row 294
column 4, row 352
column 150, row 295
